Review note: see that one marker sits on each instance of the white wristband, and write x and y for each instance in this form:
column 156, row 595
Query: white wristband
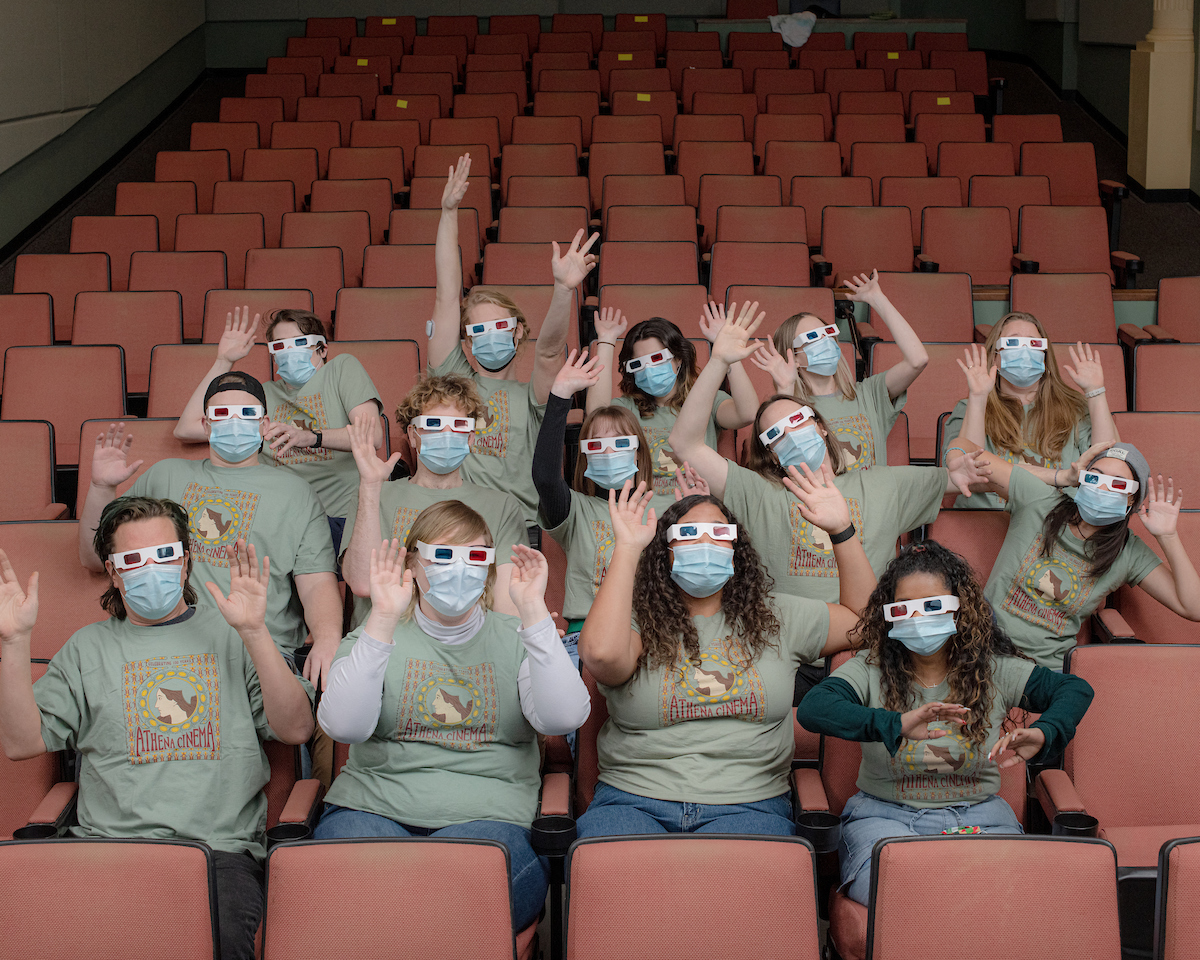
column 1094, row 393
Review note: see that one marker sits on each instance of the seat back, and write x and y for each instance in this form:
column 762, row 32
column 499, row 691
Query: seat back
column 1176, row 936
column 308, row 67
column 818, row 61
column 934, row 129
column 1167, row 447
column 769, row 81
column 633, row 128
column 373, row 196
column 717, row 190
column 852, row 128
column 231, row 234
column 586, row 106
column 865, row 40
column 1021, row 128
column 545, row 224
column 1156, row 381
column 641, row 191
column 966, row 160
column 413, row 101
column 747, row 224
column 391, row 47
column 926, row 41
column 116, row 236
column 940, row 81
column 549, row 130
column 878, row 160
column 1012, row 193
column 1071, row 168
column 319, row 135
column 697, row 158
column 650, row 223
column 137, row 321
column 746, row 40
column 234, row 138
column 165, row 201
column 937, row 305
column 349, row 230
column 751, row 61
column 342, row 110
column 1065, row 239
column 694, row 126
column 1178, row 306
column 502, row 106
column 815, row 193
column 656, row 23
column 1071, row 306
column 318, row 269
column 1072, row 882
column 869, row 101
column 680, row 62
column 262, row 111
column 589, row 23
column 269, row 198
column 510, row 80
column 177, row 368
column 62, row 276
column 804, row 103
column 377, row 313
column 783, row 302
column 973, row 240
column 744, row 105
column 975, row 535
column 1156, row 786
column 287, row 87
column 26, row 782
column 549, row 191
column 220, row 304
column 839, row 81
column 783, row 126
column 27, row 464
column 682, row 304
column 627, row 159
column 889, row 61
column 204, row 168
column 300, row 165
column 916, row 193
column 405, row 27
column 644, row 262
column 420, row 227
column 939, row 101
column 344, row 28
column 936, row 391
column 400, row 265
column 656, row 103
column 557, row 60
column 969, row 66
column 770, row 882
column 701, row 79
column 362, row 87
column 861, row 239
column 754, row 264
column 26, row 319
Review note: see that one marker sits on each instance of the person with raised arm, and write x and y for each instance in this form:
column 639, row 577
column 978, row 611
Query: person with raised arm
column 497, row 332
column 442, row 698
column 804, row 360
column 165, row 702
column 658, row 366
column 697, row 658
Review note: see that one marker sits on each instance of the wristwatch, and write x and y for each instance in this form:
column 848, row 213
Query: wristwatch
column 317, row 434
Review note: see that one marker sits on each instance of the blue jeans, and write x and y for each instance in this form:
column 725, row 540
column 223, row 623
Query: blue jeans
column 529, row 875
column 614, row 812
column 867, row 819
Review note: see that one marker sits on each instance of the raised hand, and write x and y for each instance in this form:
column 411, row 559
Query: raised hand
column 626, row 509
column 688, row 483
column 361, row 431
column 1070, row 476
column 1024, row 742
column 527, row 584
column 969, row 470
column 915, row 724
column 981, row 379
column 391, row 583
column 110, row 458
column 283, row 437
column 245, row 609
column 1085, row 367
column 733, row 341
column 457, row 183
column 713, row 320
column 782, row 370
column 18, row 608
column 862, row 288
column 578, row 373
column 821, row 503
column 1160, row 509
column 569, row 269
column 239, row 336
column 610, row 325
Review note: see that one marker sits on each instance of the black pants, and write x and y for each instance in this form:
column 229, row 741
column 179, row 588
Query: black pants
column 240, row 903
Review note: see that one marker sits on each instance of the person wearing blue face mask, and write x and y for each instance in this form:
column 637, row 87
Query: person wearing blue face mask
column 1061, row 557
column 231, row 496
column 804, row 359
column 309, row 406
column 656, row 368
column 164, row 701
column 1019, row 407
column 929, row 700
column 442, row 698
column 443, row 419
column 700, row 735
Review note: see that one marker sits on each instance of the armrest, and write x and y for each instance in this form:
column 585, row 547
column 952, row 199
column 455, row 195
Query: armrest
column 822, row 270
column 810, row 792
column 925, row 264
column 1111, row 188
column 54, row 511
column 57, row 806
column 982, row 332
column 556, row 795
column 400, row 197
column 1024, row 264
column 303, row 803
column 1120, row 260
column 1111, row 627
column 996, row 82
column 1131, row 334
column 867, row 332
column 1056, row 793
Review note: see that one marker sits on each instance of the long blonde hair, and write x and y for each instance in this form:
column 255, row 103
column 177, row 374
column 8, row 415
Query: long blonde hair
column 625, row 424
column 1056, row 407
column 450, row 521
column 843, row 377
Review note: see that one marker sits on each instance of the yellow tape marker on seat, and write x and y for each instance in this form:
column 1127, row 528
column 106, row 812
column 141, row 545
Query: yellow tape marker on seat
column 624, row 56
column 893, row 56
column 361, row 62
column 389, row 21
column 402, row 104
column 643, row 97
column 943, row 101
column 641, row 19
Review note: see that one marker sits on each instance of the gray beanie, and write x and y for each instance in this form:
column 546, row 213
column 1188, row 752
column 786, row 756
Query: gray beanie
column 1135, row 461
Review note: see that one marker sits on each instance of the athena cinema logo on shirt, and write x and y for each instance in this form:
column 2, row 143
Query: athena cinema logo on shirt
column 172, row 708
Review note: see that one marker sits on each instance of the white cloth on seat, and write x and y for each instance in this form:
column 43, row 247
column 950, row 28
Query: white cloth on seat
column 795, row 28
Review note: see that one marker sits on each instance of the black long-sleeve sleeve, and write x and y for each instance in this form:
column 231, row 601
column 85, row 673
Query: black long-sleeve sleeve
column 554, row 494
column 1062, row 700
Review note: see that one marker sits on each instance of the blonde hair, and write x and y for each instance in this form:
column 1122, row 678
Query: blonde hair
column 843, row 377
column 623, row 422
column 453, row 522
column 497, row 298
column 451, row 389
column 762, row 459
column 1056, row 407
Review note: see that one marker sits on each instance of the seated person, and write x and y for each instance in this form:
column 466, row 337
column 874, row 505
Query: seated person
column 443, row 418
column 232, row 496
column 308, row 408
column 433, row 671
column 227, row 687
column 697, row 660
column 929, row 697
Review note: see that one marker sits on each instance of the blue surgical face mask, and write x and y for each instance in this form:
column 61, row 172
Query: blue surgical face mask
column 823, row 356
column 295, row 366
column 611, row 470
column 701, row 569
column 805, row 445
column 924, row 635
column 454, row 588
column 1022, row 366
column 494, row 349
column 233, row 440
column 1099, row 506
column 154, row 590
column 658, row 380
column 444, row 452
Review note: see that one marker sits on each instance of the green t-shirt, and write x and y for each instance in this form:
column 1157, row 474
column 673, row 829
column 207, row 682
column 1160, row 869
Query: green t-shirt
column 884, row 502
column 324, row 403
column 712, row 732
column 401, row 501
column 586, row 536
column 862, row 425
column 1041, row 602
column 452, row 744
column 657, row 429
column 1077, row 442
column 272, row 509
column 167, row 722
column 502, row 450
column 945, row 769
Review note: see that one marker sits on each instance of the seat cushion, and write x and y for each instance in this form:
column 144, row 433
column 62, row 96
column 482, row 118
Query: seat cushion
column 847, row 926
column 1139, row 846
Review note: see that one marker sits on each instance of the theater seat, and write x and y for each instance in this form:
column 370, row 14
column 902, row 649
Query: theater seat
column 27, row 464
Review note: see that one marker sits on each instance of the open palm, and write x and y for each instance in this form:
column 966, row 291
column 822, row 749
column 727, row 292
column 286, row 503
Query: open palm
column 18, row 608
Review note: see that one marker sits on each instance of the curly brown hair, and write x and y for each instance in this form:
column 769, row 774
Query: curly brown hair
column 971, row 652
column 309, row 323
column 763, row 461
column 682, row 349
column 661, row 611
column 450, row 389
